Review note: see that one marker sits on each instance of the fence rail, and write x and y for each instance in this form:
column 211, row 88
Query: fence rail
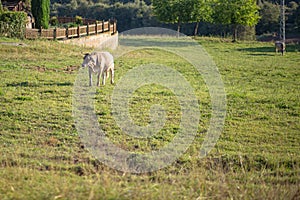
column 67, row 33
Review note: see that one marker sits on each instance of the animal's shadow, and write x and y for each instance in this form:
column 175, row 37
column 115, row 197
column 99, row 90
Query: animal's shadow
column 269, row 50
column 259, row 51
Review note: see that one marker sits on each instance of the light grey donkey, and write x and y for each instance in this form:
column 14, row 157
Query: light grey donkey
column 101, row 63
column 280, row 46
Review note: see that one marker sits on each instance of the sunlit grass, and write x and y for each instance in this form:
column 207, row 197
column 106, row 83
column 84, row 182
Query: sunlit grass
column 256, row 157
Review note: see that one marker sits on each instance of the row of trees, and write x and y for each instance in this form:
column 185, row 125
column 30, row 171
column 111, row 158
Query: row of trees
column 227, row 12
column 270, row 12
column 128, row 14
column 205, row 17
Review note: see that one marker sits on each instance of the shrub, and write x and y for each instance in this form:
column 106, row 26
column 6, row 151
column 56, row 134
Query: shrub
column 246, row 33
column 13, row 24
column 78, row 20
column 54, row 21
column 69, row 25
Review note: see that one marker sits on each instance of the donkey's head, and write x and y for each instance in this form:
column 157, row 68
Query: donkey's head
column 88, row 61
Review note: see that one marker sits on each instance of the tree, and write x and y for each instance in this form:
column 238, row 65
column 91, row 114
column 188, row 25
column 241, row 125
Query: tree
column 131, row 15
column 1, row 8
column 297, row 19
column 235, row 13
column 270, row 14
column 174, row 11
column 292, row 15
column 41, row 12
column 202, row 11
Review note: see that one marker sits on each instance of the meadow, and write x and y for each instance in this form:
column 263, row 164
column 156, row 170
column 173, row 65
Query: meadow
column 256, row 157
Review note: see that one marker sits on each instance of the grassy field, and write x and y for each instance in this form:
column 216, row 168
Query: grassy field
column 256, row 157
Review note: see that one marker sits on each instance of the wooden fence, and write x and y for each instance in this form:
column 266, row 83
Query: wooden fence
column 67, row 33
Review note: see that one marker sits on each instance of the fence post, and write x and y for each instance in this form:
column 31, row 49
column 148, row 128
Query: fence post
column 102, row 26
column 96, row 27
column 54, row 33
column 109, row 27
column 67, row 32
column 78, row 30
column 40, row 31
column 87, row 29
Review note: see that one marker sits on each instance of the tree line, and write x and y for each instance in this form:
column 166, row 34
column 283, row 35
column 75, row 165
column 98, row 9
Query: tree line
column 204, row 17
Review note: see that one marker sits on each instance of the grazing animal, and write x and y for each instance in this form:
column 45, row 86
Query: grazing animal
column 279, row 46
column 101, row 63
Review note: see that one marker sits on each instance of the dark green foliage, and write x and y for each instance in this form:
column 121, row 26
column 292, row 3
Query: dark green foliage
column 128, row 15
column 293, row 21
column 41, row 12
column 297, row 20
column 132, row 15
column 174, row 11
column 246, row 32
column 270, row 16
column 236, row 13
column 53, row 21
column 78, row 20
column 12, row 24
column 1, row 8
column 140, row 13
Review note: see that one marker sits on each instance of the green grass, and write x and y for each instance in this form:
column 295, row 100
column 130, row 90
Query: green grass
column 256, row 157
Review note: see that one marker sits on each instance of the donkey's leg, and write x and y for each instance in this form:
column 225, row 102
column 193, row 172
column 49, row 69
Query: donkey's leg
column 90, row 77
column 103, row 77
column 112, row 81
column 107, row 74
column 98, row 78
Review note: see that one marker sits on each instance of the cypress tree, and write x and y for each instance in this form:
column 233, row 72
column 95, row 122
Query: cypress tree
column 1, row 8
column 41, row 12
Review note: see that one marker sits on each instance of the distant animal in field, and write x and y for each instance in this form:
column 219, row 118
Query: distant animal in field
column 280, row 46
column 101, row 63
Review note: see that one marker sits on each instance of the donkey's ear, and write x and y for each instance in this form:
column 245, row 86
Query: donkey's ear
column 85, row 55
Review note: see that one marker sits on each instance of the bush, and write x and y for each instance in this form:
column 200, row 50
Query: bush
column 246, row 33
column 13, row 24
column 78, row 20
column 54, row 21
column 69, row 25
